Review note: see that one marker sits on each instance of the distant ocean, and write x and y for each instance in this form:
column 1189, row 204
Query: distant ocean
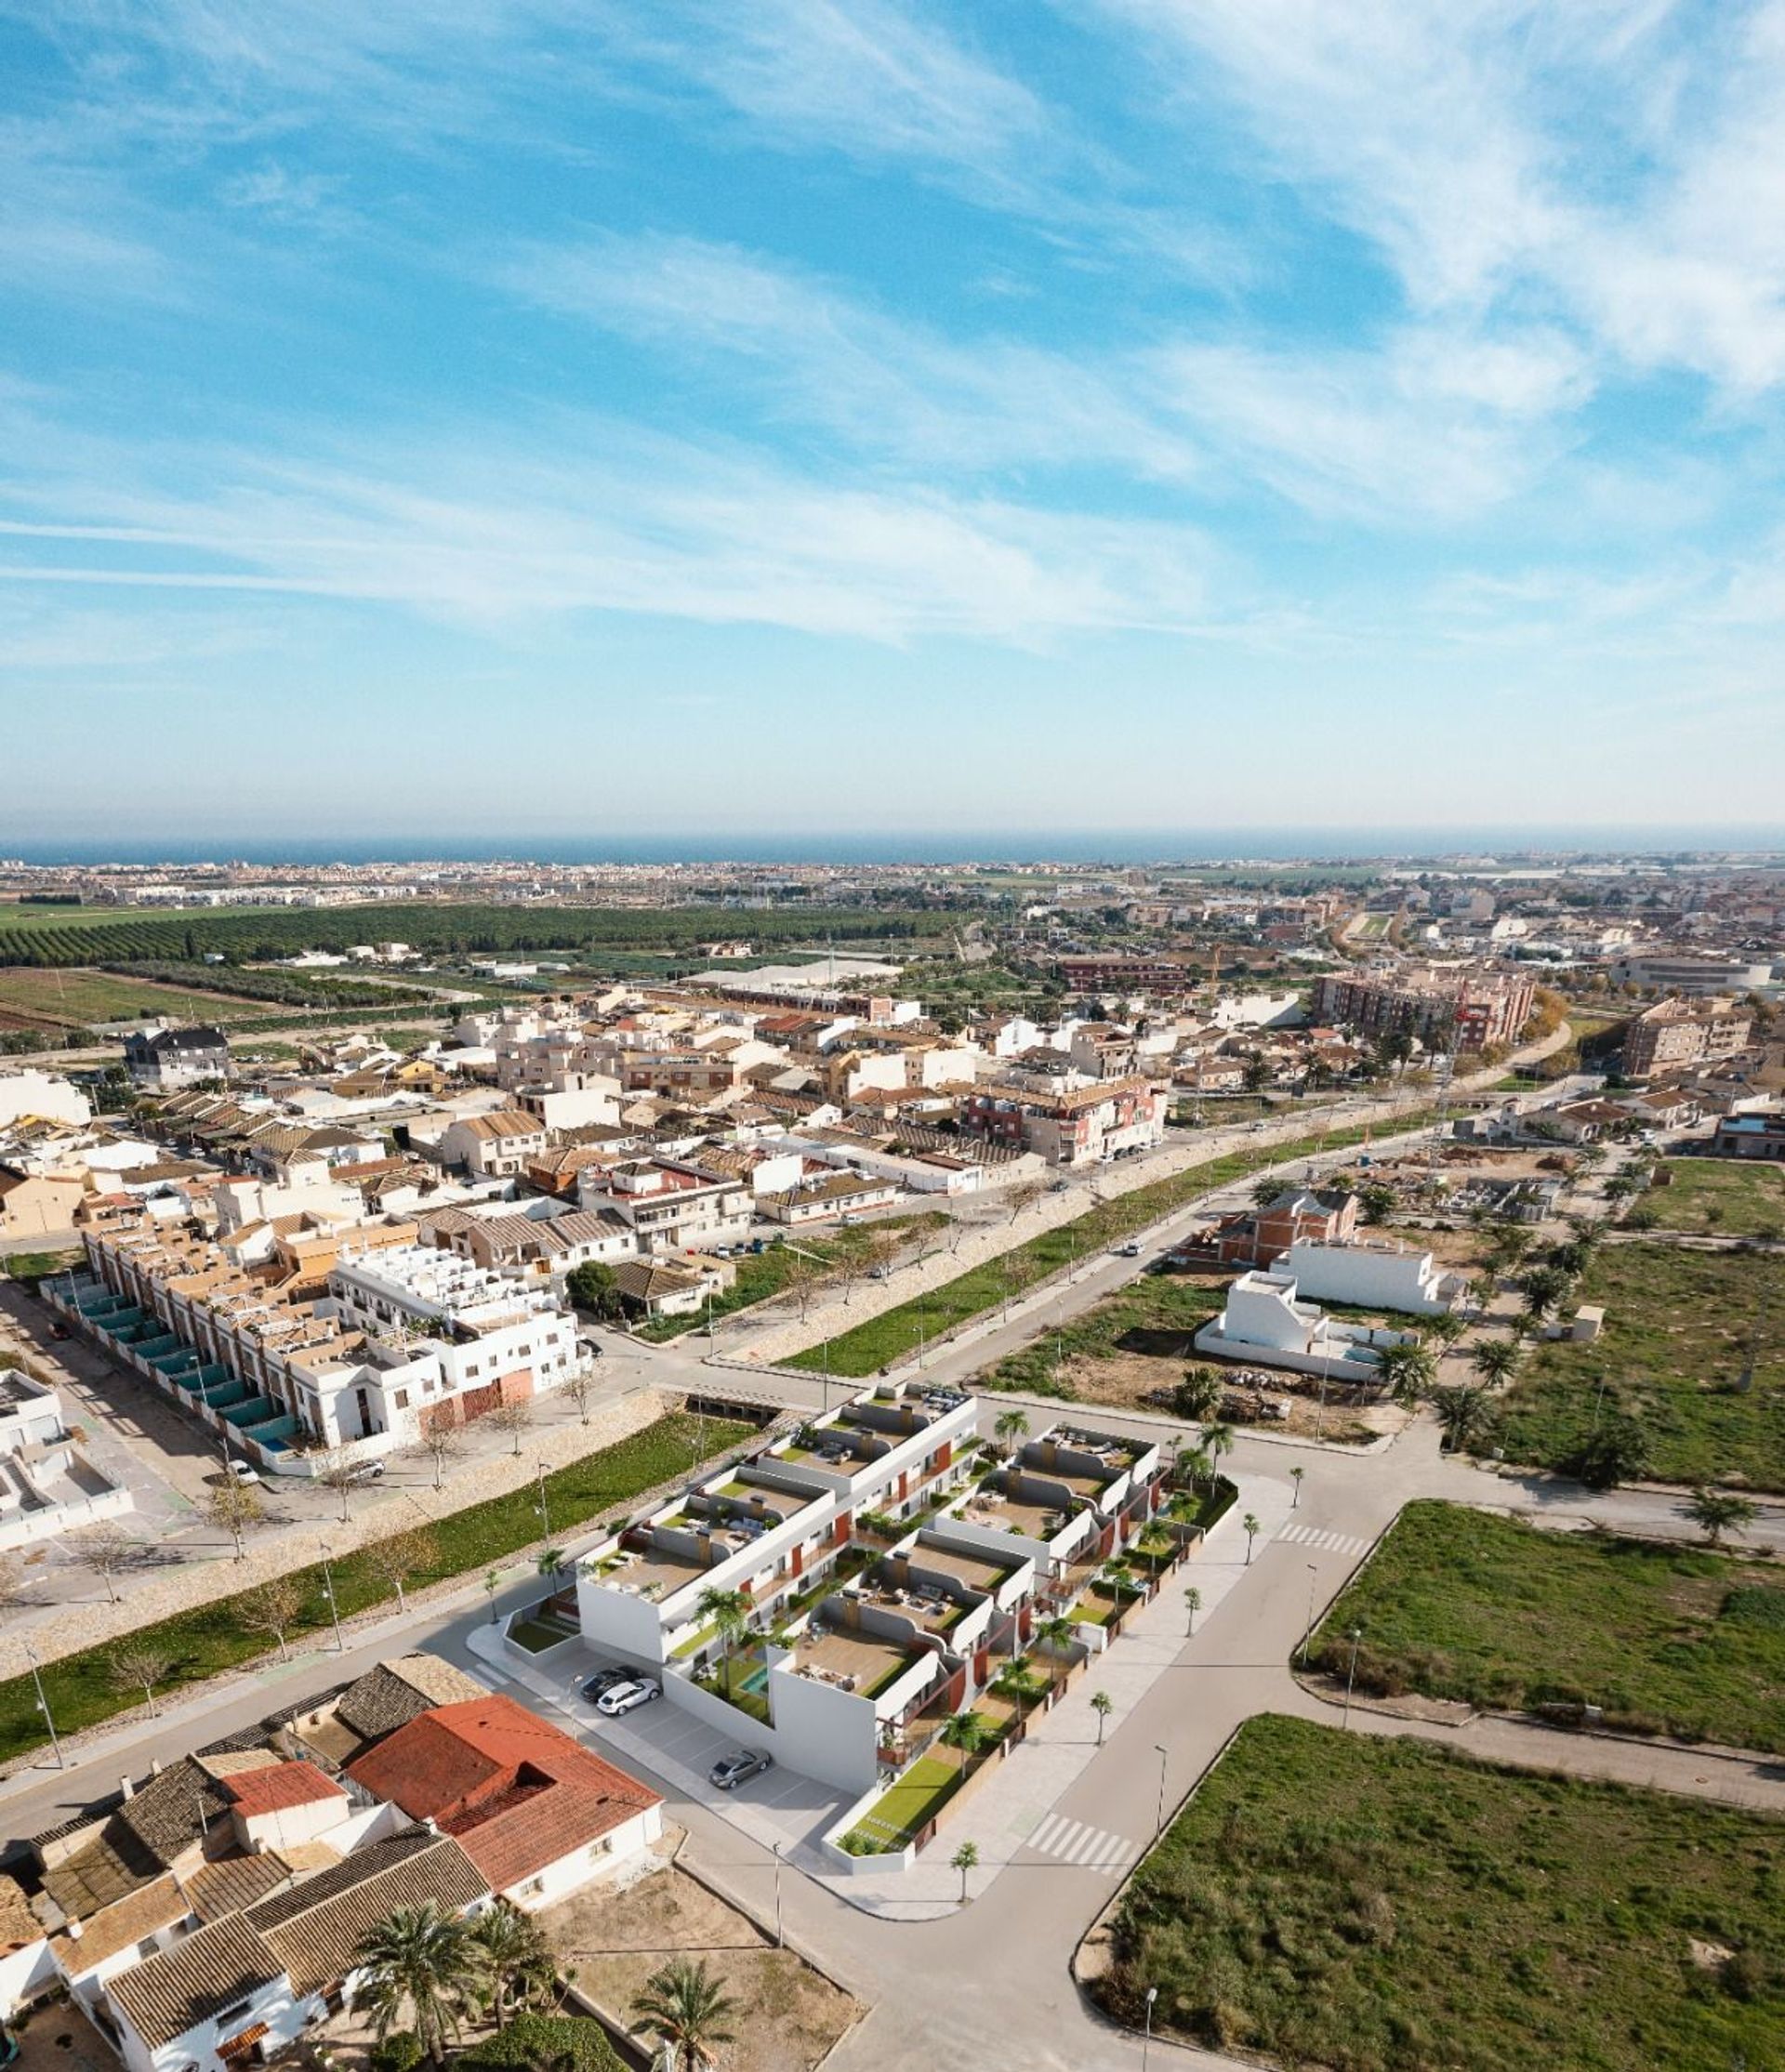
column 1128, row 846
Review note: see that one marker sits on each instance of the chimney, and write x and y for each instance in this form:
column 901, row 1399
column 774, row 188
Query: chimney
column 73, row 1931
column 126, row 1786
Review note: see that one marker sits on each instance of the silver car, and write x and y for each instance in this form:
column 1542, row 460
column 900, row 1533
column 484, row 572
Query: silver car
column 739, row 1767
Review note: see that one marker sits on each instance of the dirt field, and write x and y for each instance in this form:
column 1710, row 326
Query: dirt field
column 788, row 2017
column 1125, row 1380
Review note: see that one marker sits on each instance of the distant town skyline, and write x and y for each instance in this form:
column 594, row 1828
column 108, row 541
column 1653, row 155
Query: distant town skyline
column 832, row 414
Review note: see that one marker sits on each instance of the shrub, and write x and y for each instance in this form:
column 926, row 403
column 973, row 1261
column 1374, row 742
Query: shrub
column 535, row 2039
column 400, row 2051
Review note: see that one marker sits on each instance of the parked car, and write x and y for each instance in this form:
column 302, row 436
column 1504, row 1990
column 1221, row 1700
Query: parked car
column 1126, row 1251
column 627, row 1697
column 604, row 1681
column 369, row 1470
column 739, row 1767
column 244, row 1471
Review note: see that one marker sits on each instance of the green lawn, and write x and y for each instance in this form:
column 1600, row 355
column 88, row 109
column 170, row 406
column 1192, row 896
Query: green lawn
column 1368, row 1904
column 1461, row 1603
column 1159, row 1314
column 202, row 1642
column 763, row 1276
column 1725, row 1197
column 907, row 1805
column 885, row 1338
column 82, row 998
column 1678, row 1329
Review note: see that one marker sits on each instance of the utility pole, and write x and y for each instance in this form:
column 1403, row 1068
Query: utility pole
column 545, row 1515
column 43, row 1706
column 333, row 1610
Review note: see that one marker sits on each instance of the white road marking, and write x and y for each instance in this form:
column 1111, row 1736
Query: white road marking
column 1326, row 1541
column 1085, row 1848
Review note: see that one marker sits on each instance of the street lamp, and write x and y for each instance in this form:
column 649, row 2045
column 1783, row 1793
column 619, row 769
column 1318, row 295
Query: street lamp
column 328, row 1590
column 43, row 1706
column 1307, row 1631
column 1159, row 1827
column 1356, row 1635
column 1146, row 2041
column 545, row 1517
column 780, row 1940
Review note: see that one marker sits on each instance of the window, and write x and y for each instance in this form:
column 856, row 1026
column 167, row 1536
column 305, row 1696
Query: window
column 402, row 1399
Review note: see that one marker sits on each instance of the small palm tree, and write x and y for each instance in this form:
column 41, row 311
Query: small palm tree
column 1409, row 1370
column 1103, row 1705
column 728, row 1612
column 1011, row 1426
column 689, row 2008
column 420, row 1964
column 1056, row 1631
column 1217, row 1439
column 1446, row 1326
column 1719, row 1512
column 1249, row 1527
column 964, row 1859
column 515, row 1959
column 1464, row 1416
column 1193, row 1604
column 966, row 1732
column 1496, row 1359
column 1296, row 1474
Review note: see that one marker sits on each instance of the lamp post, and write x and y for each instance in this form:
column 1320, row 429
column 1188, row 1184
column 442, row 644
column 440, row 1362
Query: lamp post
column 545, row 1515
column 780, row 1940
column 328, row 1590
column 43, row 1706
column 1146, row 2041
column 1356, row 1635
column 1307, row 1631
column 1159, row 1826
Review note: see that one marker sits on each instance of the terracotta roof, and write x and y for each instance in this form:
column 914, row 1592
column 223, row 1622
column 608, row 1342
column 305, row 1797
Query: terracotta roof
column 175, row 1992
column 396, row 1692
column 127, row 1921
column 282, row 1784
column 316, row 1927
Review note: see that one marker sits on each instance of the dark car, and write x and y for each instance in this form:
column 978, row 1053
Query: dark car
column 738, row 1768
column 603, row 1681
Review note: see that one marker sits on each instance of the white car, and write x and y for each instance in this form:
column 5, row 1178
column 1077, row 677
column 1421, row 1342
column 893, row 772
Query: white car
column 627, row 1698
column 244, row 1471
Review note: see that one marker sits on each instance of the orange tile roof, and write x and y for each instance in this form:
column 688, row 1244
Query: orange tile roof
column 280, row 1784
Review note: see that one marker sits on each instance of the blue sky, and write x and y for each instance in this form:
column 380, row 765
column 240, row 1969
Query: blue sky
column 555, row 417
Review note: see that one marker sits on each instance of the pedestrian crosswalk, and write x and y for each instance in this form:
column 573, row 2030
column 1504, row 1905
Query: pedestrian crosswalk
column 1326, row 1542
column 1085, row 1848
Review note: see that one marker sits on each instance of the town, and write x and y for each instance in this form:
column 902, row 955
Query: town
column 688, row 1448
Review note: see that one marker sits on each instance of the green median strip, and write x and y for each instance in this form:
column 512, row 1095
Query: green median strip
column 81, row 1689
column 885, row 1338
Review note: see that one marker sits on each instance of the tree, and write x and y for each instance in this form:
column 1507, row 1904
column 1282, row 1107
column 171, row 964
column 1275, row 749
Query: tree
column 1023, row 1197
column 107, row 1550
column 1103, row 1705
column 1720, row 1511
column 1446, row 1326
column 1616, row 1451
column 401, row 1555
column 1056, row 1631
column 514, row 1421
column 135, row 1665
column 964, row 1859
column 1376, row 1199
column 518, row 1968
column 423, row 1963
column 1546, row 1288
column 1249, row 1527
column 1011, row 1426
column 441, row 1443
column 272, row 1608
column 579, row 1386
column 596, row 1289
column 968, row 1732
column 1464, row 1416
column 1296, row 1475
column 1199, row 1394
column 728, row 1612
column 339, row 1471
column 689, row 2008
column 1265, row 1191
column 232, row 1507
column 1496, row 1359
column 1510, row 1244
column 1217, row 1439
column 1192, row 1604
column 1409, row 1371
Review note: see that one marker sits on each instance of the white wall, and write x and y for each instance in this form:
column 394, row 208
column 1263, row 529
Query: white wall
column 571, row 1873
column 42, row 1094
column 1373, row 1277
column 23, row 1974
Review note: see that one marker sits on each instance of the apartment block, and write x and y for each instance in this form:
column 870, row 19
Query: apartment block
column 1681, row 1031
column 1440, row 1005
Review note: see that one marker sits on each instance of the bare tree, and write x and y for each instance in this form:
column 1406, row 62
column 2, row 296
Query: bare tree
column 108, row 1550
column 1024, row 1196
column 232, row 1507
column 339, row 1471
column 137, row 1665
column 395, row 1560
column 579, row 1386
column 441, row 1443
column 272, row 1608
column 513, row 1420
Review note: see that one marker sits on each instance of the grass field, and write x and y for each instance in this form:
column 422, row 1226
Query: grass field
column 78, row 999
column 1459, row 1604
column 890, row 1336
column 201, row 1644
column 1720, row 1197
column 1365, row 1904
column 1679, row 1326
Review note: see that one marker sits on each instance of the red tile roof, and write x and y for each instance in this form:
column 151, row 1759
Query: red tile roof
column 514, row 1792
column 278, row 1786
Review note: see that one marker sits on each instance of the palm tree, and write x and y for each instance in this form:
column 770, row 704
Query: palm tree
column 1056, row 1631
column 1446, row 1326
column 1719, row 1512
column 1545, row 1288
column 1193, row 1604
column 515, row 1959
column 1198, row 1465
column 1217, row 1439
column 967, row 1731
column 1011, row 1426
column 728, row 1611
column 1409, row 1371
column 1464, row 1416
column 1496, row 1359
column 1296, row 1473
column 689, row 2007
column 1249, row 1527
column 420, row 1964
column 964, row 1859
column 1103, row 1705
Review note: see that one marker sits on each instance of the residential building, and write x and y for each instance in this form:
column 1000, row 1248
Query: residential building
column 37, row 1204
column 1680, row 1031
column 671, row 1206
column 1071, row 1126
column 30, row 1095
column 1749, row 1136
column 163, row 1059
column 494, row 1146
column 47, row 1484
column 1373, row 1274
column 1444, row 1007
column 1674, row 971
column 1266, row 1323
column 1297, row 1216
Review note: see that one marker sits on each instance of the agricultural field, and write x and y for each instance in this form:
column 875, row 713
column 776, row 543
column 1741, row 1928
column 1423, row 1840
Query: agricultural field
column 1722, row 1198
column 81, row 999
column 1681, row 1328
column 1462, row 1603
column 1365, row 1904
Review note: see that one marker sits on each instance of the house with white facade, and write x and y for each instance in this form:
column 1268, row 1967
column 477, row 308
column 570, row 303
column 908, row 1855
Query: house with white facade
column 1266, row 1323
column 47, row 1484
column 1374, row 1273
column 671, row 1206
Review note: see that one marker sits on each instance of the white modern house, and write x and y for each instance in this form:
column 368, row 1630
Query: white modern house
column 47, row 1484
column 1373, row 1274
column 1266, row 1323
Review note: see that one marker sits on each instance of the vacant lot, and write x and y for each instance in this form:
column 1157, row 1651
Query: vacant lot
column 1458, row 1603
column 1367, row 1904
column 78, row 999
column 788, row 2016
column 1723, row 1198
column 1680, row 1328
